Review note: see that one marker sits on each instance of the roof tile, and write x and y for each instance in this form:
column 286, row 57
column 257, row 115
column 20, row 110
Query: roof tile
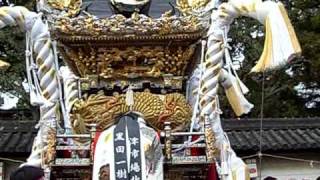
column 289, row 136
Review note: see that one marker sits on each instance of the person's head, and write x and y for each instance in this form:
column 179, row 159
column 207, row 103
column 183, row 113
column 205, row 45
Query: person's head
column 27, row 173
column 104, row 173
column 270, row 178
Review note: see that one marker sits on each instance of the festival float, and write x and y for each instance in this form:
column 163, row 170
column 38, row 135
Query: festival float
column 136, row 97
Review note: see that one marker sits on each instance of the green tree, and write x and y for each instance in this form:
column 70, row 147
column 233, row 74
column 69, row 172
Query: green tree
column 12, row 48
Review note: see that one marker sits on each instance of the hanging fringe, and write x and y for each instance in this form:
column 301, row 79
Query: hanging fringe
column 281, row 44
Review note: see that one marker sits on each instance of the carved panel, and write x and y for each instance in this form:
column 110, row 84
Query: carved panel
column 129, row 62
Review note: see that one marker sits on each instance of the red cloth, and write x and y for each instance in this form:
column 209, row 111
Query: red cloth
column 196, row 151
column 67, row 153
column 212, row 172
column 95, row 140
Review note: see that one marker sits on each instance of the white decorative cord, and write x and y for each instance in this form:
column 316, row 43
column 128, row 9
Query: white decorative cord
column 70, row 91
column 277, row 51
column 41, row 71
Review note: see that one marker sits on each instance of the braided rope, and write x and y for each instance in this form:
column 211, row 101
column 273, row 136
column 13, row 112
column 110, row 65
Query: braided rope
column 70, row 89
column 41, row 47
column 43, row 69
column 221, row 19
column 12, row 16
column 279, row 49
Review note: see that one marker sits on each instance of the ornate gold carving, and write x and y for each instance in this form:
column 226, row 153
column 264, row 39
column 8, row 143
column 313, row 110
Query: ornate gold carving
column 210, row 139
column 119, row 25
column 119, row 47
column 186, row 6
column 164, row 83
column 50, row 153
column 174, row 82
column 175, row 111
column 103, row 110
column 129, row 62
column 72, row 7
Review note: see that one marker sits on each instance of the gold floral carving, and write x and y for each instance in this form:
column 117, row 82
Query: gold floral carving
column 72, row 7
column 118, row 25
column 211, row 149
column 187, row 6
column 129, row 62
column 103, row 110
column 50, row 152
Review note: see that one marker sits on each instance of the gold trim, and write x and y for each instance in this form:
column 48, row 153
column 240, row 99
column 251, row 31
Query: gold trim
column 50, row 152
column 72, row 7
column 267, row 50
column 118, row 25
column 187, row 8
column 129, row 62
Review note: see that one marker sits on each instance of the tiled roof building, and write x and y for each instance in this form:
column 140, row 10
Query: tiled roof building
column 16, row 136
column 292, row 137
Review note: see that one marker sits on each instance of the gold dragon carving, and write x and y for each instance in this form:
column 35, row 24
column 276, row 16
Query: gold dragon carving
column 104, row 110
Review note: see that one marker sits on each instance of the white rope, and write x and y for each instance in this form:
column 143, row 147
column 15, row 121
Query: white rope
column 32, row 91
column 195, row 112
column 11, row 160
column 188, row 144
column 65, row 116
column 229, row 63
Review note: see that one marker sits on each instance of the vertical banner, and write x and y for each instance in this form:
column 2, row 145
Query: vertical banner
column 127, row 158
column 135, row 150
column 120, row 152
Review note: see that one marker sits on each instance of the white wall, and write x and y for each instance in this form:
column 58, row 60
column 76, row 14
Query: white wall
column 291, row 170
